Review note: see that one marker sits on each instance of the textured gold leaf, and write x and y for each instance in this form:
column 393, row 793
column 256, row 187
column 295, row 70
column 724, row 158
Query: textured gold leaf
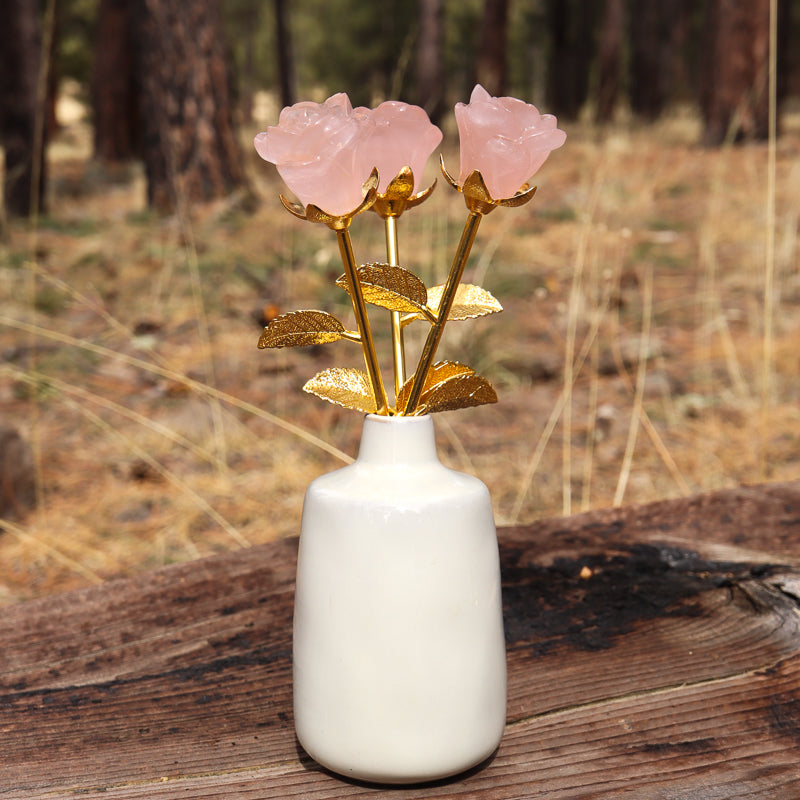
column 302, row 328
column 390, row 287
column 470, row 301
column 345, row 387
column 459, row 391
column 440, row 372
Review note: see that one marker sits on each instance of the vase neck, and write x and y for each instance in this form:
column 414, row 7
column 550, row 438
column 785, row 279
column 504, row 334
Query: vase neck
column 397, row 440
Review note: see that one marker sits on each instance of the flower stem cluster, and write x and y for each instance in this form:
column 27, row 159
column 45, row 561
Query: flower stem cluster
column 340, row 161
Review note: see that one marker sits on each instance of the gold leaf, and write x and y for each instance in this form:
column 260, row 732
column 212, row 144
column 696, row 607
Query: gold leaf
column 470, row 301
column 390, row 287
column 302, row 328
column 459, row 391
column 440, row 372
column 345, row 387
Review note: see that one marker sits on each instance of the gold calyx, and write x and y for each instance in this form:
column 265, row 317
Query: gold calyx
column 399, row 196
column 477, row 196
column 313, row 213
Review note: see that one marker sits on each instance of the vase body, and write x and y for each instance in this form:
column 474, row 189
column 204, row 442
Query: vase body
column 398, row 652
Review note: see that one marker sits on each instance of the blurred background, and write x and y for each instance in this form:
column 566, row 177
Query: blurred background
column 649, row 343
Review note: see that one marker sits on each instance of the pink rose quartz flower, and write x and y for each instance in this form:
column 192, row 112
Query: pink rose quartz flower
column 402, row 136
column 505, row 139
column 315, row 148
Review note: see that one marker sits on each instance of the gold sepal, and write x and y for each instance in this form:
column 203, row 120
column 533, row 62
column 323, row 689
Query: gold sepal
column 398, row 196
column 345, row 387
column 391, row 287
column 477, row 196
column 313, row 213
column 525, row 194
column 303, row 328
column 470, row 301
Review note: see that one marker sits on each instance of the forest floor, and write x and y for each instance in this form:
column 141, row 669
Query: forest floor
column 648, row 347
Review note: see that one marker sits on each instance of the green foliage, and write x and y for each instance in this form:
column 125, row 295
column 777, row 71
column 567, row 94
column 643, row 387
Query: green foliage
column 461, row 39
column 527, row 51
column 250, row 37
column 369, row 49
column 351, row 46
column 83, row 226
column 50, row 301
column 75, row 37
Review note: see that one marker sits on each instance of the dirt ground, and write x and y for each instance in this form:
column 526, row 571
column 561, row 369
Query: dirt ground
column 647, row 348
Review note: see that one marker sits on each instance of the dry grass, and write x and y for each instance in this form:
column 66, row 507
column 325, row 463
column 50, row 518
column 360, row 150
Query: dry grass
column 630, row 359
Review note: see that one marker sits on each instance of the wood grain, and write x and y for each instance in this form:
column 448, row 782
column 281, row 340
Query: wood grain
column 654, row 652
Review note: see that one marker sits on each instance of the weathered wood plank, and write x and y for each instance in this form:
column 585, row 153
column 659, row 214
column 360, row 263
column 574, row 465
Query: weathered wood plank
column 638, row 667
column 743, row 742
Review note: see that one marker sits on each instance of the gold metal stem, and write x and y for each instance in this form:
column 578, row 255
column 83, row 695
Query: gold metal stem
column 398, row 348
column 362, row 320
column 448, row 295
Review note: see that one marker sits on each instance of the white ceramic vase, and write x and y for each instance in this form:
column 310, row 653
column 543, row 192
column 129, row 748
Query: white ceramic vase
column 399, row 654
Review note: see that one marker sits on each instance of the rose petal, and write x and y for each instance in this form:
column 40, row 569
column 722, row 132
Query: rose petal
column 504, row 138
column 402, row 136
column 314, row 147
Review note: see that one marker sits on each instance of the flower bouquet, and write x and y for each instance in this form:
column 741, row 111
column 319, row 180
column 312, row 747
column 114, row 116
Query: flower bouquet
column 398, row 648
column 340, row 161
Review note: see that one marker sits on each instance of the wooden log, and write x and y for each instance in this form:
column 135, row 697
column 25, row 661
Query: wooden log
column 654, row 652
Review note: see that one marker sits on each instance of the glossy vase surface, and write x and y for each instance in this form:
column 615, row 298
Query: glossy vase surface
column 399, row 654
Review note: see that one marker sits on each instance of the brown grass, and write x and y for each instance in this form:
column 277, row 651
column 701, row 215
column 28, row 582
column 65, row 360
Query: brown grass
column 162, row 434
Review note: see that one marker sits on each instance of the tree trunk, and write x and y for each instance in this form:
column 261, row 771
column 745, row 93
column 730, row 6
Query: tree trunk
column 571, row 24
column 609, row 59
column 734, row 94
column 655, row 33
column 788, row 61
column 492, row 66
column 20, row 44
column 430, row 63
column 283, row 50
column 190, row 147
column 115, row 100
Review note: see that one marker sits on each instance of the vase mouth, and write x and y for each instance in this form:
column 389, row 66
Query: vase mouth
column 388, row 440
column 398, row 419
